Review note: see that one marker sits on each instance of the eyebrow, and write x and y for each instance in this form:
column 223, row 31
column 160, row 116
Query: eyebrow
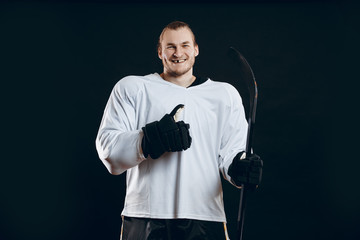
column 186, row 42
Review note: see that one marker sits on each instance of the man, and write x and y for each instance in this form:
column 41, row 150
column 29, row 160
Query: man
column 173, row 133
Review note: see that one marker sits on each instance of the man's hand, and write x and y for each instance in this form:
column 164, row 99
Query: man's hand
column 246, row 170
column 166, row 135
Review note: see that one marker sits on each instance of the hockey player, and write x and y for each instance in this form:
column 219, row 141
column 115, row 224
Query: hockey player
column 174, row 133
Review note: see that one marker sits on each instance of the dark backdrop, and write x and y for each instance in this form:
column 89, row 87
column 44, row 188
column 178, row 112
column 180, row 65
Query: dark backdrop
column 60, row 60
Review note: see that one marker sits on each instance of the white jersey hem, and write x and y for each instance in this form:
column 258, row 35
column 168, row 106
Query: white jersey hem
column 178, row 216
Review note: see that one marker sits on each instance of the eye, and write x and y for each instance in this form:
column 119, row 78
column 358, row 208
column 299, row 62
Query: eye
column 170, row 47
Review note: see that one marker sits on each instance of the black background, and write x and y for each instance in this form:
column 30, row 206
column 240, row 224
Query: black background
column 60, row 60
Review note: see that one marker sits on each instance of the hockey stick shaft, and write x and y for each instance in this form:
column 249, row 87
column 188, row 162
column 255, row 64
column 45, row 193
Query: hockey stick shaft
column 247, row 75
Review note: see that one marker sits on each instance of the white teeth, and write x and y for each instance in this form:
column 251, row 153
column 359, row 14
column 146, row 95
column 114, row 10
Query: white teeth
column 179, row 61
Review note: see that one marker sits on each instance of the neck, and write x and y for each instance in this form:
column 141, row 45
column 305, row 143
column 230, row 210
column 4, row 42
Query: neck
column 183, row 80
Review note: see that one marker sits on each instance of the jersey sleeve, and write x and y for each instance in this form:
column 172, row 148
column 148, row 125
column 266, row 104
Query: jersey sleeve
column 234, row 135
column 118, row 142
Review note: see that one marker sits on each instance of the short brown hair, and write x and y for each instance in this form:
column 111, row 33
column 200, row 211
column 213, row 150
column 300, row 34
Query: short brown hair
column 175, row 26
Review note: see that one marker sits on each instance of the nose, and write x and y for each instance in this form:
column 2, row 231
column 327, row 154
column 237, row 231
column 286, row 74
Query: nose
column 178, row 52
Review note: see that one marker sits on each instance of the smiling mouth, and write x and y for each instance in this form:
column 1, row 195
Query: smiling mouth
column 179, row 61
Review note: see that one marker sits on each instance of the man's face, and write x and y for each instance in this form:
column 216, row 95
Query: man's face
column 178, row 51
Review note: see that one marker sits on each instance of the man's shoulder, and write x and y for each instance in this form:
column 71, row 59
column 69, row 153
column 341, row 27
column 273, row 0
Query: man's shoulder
column 221, row 85
column 132, row 85
column 224, row 91
column 128, row 85
column 132, row 80
column 137, row 79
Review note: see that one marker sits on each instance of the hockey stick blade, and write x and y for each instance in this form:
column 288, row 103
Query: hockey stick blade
column 247, row 75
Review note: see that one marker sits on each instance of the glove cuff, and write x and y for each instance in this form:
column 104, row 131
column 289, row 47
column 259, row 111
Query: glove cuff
column 151, row 142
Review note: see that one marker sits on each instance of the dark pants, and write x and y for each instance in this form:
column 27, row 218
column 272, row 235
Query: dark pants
column 171, row 229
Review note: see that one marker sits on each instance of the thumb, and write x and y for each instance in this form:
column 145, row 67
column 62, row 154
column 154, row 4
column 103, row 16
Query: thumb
column 176, row 110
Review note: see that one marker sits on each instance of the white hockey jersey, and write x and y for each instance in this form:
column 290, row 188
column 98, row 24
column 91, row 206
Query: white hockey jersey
column 183, row 184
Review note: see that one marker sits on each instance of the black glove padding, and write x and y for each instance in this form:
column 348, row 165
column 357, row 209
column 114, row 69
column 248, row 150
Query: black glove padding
column 247, row 171
column 165, row 135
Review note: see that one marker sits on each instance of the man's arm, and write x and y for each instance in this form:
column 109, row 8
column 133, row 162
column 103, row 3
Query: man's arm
column 118, row 142
column 234, row 134
column 236, row 167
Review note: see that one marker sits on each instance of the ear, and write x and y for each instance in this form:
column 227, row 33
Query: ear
column 159, row 52
column 196, row 50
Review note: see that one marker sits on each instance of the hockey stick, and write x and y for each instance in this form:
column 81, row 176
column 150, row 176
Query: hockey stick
column 247, row 75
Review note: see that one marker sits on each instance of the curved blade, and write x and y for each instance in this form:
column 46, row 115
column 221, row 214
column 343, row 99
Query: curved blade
column 247, row 75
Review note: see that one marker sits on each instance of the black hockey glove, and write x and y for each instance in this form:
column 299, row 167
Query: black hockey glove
column 165, row 135
column 247, row 171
